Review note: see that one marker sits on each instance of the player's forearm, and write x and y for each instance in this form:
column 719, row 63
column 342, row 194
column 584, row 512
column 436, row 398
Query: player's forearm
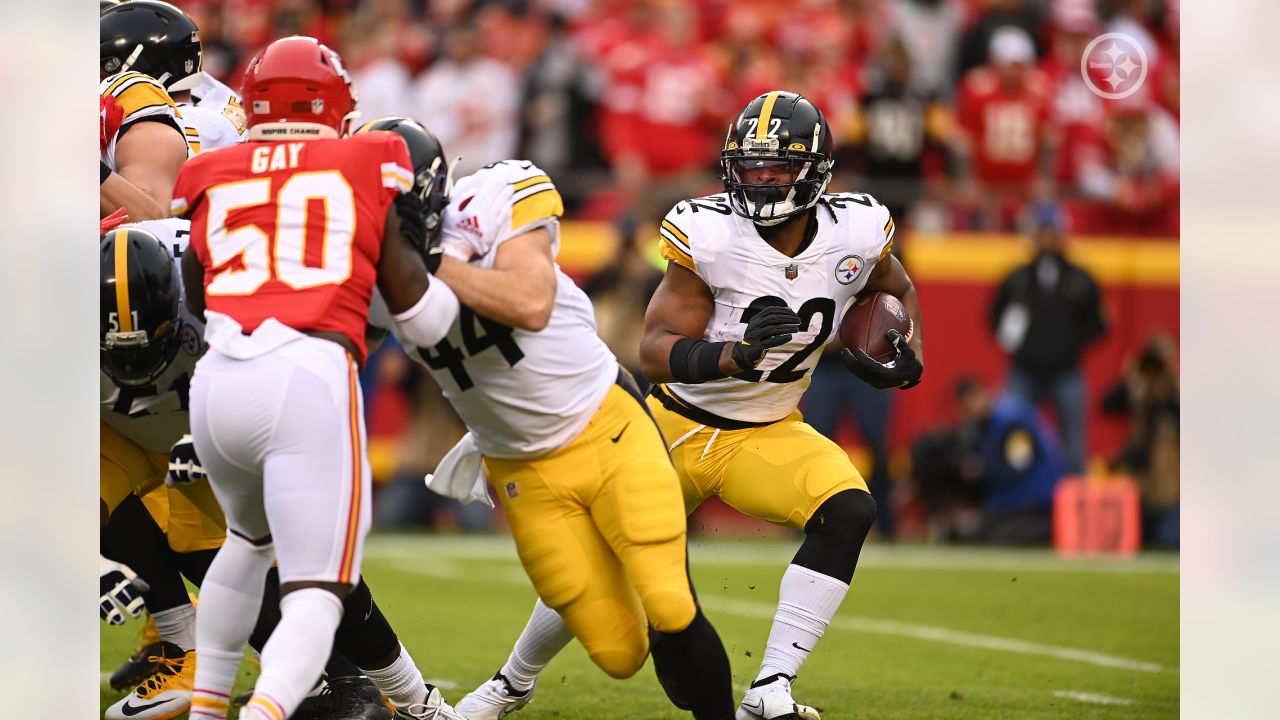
column 510, row 297
column 117, row 192
column 658, row 354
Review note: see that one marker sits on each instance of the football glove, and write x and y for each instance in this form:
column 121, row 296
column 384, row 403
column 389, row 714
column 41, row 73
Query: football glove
column 121, row 592
column 184, row 466
column 768, row 328
column 902, row 372
column 413, row 226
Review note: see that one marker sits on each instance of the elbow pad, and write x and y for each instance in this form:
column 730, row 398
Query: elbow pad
column 429, row 320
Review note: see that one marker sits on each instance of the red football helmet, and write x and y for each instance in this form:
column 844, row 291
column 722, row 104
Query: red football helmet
column 297, row 86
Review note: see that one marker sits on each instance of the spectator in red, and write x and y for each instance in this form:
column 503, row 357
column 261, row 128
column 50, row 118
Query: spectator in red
column 660, row 112
column 1133, row 166
column 1003, row 113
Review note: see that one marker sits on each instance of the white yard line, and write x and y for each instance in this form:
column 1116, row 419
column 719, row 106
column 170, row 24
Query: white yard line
column 754, row 552
column 441, row 568
column 1092, row 698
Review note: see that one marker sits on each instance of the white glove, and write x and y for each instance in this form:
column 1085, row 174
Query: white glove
column 121, row 592
column 184, row 466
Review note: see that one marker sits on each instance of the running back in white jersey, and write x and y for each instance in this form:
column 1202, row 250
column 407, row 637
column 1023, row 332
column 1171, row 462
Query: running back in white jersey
column 216, row 118
column 155, row 416
column 521, row 393
column 746, row 274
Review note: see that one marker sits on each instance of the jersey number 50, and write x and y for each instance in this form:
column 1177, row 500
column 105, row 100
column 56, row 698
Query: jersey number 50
column 284, row 260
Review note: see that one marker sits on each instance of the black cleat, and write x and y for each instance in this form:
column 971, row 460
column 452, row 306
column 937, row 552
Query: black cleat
column 350, row 698
column 137, row 668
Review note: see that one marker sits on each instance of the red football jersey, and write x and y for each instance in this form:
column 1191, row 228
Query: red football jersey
column 1005, row 125
column 292, row 230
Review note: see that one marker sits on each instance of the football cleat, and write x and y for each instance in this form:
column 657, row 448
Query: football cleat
column 435, row 708
column 494, row 699
column 164, row 695
column 772, row 701
column 138, row 668
column 352, row 697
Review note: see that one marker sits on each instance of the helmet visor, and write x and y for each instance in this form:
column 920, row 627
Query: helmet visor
column 771, row 187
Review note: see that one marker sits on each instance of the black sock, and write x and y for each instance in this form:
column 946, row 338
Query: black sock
column 132, row 537
column 194, row 565
column 339, row 666
column 364, row 635
column 834, row 535
column 694, row 663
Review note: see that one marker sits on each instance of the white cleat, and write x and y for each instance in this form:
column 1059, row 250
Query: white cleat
column 435, row 708
column 494, row 700
column 773, row 701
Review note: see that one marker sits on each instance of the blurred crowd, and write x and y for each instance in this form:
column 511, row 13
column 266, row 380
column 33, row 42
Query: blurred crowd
column 960, row 115
column 955, row 113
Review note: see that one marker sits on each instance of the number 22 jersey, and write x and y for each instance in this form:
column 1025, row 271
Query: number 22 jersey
column 746, row 274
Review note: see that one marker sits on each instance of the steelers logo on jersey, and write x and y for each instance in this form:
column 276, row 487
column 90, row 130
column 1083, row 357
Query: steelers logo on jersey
column 848, row 269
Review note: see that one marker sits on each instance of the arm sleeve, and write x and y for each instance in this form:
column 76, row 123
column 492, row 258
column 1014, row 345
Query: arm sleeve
column 396, row 168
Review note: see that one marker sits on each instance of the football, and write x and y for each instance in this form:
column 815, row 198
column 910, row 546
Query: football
column 869, row 320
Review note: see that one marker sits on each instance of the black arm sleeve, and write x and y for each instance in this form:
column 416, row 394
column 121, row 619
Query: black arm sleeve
column 696, row 361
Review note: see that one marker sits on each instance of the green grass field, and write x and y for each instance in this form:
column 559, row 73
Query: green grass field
column 925, row 632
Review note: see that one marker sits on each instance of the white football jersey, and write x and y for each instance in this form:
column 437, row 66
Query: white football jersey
column 155, row 416
column 746, row 274
column 216, row 119
column 521, row 393
column 139, row 97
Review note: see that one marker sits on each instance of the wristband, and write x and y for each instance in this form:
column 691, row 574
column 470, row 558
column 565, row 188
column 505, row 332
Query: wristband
column 104, row 173
column 696, row 361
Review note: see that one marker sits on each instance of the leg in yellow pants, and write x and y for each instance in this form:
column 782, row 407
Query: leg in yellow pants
column 780, row 472
column 599, row 529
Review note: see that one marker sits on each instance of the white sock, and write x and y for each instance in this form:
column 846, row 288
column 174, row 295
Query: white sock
column 401, row 681
column 543, row 637
column 230, row 597
column 178, row 626
column 807, row 601
column 296, row 653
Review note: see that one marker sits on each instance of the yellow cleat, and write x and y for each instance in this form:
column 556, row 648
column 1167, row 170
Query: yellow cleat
column 137, row 668
column 166, row 694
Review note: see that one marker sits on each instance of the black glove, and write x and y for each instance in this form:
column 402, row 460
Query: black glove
column 902, row 372
column 184, row 466
column 413, row 226
column 768, row 328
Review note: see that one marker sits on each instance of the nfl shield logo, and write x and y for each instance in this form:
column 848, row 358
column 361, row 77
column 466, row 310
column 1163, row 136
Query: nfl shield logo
column 792, row 271
column 512, row 490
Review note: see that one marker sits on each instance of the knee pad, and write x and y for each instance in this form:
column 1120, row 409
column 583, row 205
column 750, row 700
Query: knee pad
column 671, row 611
column 620, row 663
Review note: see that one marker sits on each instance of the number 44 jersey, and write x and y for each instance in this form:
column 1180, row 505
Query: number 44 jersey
column 521, row 393
column 746, row 274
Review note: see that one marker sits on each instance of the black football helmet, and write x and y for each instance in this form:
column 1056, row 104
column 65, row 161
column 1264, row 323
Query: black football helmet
column 140, row 312
column 432, row 172
column 777, row 158
column 153, row 38
column 104, row 4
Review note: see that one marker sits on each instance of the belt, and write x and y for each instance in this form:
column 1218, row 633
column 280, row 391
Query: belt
column 698, row 415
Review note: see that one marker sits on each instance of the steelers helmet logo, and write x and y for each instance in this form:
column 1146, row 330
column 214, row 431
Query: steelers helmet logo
column 849, row 268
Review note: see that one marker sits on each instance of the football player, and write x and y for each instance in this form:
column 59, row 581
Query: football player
column 276, row 408
column 758, row 279
column 143, row 142
column 145, row 377
column 159, row 40
column 562, row 433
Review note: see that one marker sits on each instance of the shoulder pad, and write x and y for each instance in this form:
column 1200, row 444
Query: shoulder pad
column 500, row 201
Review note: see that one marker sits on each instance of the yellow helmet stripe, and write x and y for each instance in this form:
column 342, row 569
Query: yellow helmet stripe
column 766, row 112
column 122, row 280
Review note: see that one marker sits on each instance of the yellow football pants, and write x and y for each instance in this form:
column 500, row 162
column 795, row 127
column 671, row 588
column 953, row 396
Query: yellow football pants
column 190, row 516
column 599, row 529
column 780, row 472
